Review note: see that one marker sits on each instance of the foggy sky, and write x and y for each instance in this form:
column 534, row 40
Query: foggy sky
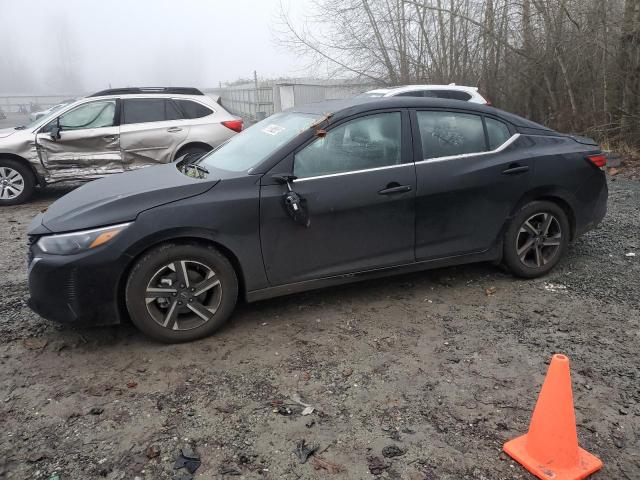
column 71, row 46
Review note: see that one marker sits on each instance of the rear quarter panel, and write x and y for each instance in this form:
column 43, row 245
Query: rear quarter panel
column 562, row 170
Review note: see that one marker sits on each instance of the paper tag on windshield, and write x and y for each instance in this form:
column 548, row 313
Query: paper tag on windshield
column 273, row 129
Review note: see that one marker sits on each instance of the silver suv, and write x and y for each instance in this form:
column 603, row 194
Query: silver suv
column 110, row 132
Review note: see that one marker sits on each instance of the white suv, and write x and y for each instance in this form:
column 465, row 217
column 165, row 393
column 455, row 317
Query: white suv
column 451, row 91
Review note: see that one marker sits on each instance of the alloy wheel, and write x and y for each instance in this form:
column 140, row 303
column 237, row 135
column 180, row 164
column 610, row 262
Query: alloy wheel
column 183, row 295
column 11, row 183
column 538, row 240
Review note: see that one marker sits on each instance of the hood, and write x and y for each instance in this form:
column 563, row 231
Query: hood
column 120, row 198
column 5, row 132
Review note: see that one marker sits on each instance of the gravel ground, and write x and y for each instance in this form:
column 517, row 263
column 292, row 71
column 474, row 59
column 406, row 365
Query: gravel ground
column 440, row 367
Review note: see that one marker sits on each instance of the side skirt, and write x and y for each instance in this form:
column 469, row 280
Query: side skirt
column 486, row 256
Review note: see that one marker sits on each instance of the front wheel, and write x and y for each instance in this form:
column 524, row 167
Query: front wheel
column 536, row 239
column 16, row 182
column 178, row 293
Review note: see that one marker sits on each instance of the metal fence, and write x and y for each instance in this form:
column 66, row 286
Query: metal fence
column 28, row 103
column 254, row 104
column 250, row 103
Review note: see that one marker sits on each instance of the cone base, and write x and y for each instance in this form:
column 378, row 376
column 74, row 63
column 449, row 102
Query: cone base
column 587, row 463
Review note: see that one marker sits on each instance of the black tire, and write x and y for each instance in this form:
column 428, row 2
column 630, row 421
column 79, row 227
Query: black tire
column 529, row 250
column 151, row 276
column 193, row 152
column 25, row 179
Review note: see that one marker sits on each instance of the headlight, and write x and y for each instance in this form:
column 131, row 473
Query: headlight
column 69, row 243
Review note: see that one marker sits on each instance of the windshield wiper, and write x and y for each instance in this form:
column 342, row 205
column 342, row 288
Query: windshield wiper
column 21, row 127
column 197, row 168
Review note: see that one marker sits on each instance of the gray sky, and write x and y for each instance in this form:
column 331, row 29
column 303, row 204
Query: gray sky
column 65, row 45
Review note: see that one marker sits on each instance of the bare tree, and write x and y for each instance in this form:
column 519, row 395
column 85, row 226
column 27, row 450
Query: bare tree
column 573, row 64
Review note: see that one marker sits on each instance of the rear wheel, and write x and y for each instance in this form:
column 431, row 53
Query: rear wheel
column 177, row 293
column 536, row 239
column 16, row 182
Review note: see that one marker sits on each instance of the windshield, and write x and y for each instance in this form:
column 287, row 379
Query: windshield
column 43, row 117
column 257, row 142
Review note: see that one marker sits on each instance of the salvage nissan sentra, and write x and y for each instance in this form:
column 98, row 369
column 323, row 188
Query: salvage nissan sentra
column 318, row 195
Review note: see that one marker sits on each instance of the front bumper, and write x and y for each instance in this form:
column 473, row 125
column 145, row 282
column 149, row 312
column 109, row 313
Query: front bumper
column 80, row 289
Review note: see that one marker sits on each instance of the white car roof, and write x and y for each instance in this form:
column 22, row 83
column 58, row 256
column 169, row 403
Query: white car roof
column 409, row 88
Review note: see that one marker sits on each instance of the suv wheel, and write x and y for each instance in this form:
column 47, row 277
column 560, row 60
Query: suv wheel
column 536, row 239
column 178, row 293
column 16, row 182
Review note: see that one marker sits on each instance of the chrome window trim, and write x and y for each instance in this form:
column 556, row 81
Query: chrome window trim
column 502, row 147
column 511, row 139
column 339, row 174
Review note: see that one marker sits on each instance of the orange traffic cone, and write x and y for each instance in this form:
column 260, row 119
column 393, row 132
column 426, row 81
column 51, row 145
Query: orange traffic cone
column 550, row 449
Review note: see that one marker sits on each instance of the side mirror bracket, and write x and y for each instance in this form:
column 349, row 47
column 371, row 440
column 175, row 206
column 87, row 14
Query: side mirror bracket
column 285, row 179
column 55, row 131
column 294, row 204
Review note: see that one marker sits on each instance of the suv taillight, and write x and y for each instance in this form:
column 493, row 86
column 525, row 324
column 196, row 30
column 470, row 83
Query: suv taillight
column 235, row 125
column 599, row 160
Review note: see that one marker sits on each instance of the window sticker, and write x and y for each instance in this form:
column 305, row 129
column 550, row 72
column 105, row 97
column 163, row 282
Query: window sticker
column 273, row 129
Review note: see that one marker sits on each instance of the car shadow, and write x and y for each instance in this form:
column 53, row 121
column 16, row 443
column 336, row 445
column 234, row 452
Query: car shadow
column 393, row 287
column 53, row 192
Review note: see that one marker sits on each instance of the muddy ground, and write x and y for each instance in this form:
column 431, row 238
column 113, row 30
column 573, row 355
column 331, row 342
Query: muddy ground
column 445, row 365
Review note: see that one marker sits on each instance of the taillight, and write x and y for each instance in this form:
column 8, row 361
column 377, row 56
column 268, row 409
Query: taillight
column 235, row 125
column 599, row 160
column 488, row 103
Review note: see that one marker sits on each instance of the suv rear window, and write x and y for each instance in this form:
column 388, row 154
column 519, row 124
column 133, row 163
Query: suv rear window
column 143, row 110
column 193, row 109
column 452, row 94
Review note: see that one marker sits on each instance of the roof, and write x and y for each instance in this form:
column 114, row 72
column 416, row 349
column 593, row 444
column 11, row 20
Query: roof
column 351, row 106
column 148, row 90
column 409, row 88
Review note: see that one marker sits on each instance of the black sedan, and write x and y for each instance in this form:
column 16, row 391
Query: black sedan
column 318, row 195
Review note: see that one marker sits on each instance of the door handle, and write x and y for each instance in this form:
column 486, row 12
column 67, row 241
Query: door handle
column 515, row 169
column 174, row 129
column 109, row 138
column 394, row 187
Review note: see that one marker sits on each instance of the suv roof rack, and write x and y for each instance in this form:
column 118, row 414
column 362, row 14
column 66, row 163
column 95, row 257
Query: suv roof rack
column 150, row 90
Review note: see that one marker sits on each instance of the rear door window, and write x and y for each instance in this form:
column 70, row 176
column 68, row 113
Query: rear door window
column 144, row 110
column 413, row 93
column 497, row 132
column 193, row 109
column 456, row 95
column 445, row 134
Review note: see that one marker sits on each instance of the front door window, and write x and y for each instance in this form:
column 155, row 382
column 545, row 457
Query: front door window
column 368, row 142
column 90, row 115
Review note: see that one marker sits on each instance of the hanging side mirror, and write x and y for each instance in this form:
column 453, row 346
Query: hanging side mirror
column 55, row 131
column 294, row 204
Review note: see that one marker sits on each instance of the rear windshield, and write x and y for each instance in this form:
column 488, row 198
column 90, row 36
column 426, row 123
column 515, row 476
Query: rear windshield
column 256, row 143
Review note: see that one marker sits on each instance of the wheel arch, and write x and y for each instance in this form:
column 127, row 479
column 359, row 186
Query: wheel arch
column 190, row 144
column 38, row 179
column 560, row 198
column 205, row 239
